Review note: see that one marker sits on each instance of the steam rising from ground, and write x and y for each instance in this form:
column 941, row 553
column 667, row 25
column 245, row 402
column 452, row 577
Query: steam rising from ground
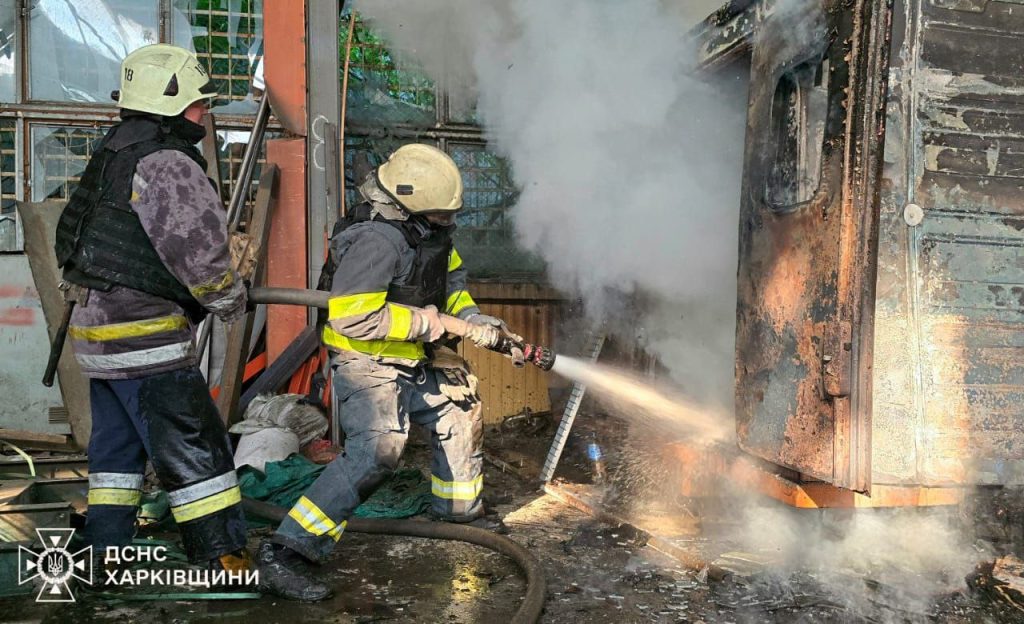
column 629, row 166
column 884, row 565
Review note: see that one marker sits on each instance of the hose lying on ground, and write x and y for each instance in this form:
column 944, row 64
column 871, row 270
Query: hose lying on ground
column 536, row 585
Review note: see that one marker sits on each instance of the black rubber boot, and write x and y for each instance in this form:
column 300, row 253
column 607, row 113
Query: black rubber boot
column 489, row 521
column 283, row 573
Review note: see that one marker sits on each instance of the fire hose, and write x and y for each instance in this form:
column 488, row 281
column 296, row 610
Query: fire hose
column 536, row 585
column 507, row 344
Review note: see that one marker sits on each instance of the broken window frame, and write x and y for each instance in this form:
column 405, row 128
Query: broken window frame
column 231, row 99
column 13, row 48
column 11, row 189
column 34, row 26
column 25, row 113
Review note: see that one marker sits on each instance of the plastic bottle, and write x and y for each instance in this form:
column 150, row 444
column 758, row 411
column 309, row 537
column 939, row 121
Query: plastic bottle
column 598, row 470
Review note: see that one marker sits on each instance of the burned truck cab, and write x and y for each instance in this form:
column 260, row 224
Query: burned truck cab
column 880, row 311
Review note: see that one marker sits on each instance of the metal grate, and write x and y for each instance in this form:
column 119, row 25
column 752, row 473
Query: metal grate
column 363, row 155
column 372, row 66
column 228, row 37
column 59, row 158
column 488, row 192
column 8, row 185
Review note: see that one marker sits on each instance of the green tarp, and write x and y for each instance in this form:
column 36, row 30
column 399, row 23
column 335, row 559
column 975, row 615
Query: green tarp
column 405, row 494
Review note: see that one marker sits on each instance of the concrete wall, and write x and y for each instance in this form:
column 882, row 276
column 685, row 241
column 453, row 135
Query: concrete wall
column 24, row 401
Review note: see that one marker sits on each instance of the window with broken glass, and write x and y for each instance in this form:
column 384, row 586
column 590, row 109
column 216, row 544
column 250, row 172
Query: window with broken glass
column 9, row 56
column 390, row 102
column 227, row 35
column 73, row 52
column 76, row 48
column 59, row 156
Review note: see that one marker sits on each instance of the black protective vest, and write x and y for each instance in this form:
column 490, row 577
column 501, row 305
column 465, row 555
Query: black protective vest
column 100, row 240
column 427, row 283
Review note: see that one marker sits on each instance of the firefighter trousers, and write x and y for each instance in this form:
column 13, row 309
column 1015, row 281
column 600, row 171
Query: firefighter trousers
column 376, row 404
column 170, row 419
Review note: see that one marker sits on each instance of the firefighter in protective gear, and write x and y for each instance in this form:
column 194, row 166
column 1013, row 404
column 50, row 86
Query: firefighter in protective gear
column 145, row 232
column 392, row 269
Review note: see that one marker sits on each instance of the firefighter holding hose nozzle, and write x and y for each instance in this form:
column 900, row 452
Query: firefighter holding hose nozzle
column 395, row 282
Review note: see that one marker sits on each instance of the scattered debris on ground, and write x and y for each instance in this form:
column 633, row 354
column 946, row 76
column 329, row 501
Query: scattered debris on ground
column 598, row 570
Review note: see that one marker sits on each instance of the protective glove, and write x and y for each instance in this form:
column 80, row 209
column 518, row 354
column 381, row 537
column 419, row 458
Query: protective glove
column 430, row 327
column 233, row 306
column 457, row 384
column 486, row 319
column 483, row 336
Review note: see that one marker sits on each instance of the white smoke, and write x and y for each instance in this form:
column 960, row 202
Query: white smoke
column 628, row 164
column 883, row 565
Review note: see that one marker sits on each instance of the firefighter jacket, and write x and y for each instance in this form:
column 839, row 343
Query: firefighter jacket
column 385, row 274
column 125, row 332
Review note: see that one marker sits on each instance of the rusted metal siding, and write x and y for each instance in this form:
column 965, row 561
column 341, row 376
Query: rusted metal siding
column 949, row 378
column 530, row 311
column 285, row 62
column 806, row 278
column 286, row 249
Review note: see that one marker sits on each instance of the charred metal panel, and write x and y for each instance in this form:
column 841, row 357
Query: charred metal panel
column 807, row 239
column 950, row 309
column 726, row 35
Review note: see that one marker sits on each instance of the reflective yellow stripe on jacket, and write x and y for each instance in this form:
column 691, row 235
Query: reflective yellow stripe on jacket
column 375, row 348
column 454, row 260
column 396, row 345
column 213, row 286
column 131, row 329
column 460, row 299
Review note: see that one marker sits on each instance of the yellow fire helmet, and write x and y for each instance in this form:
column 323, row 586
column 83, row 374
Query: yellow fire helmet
column 163, row 80
column 422, row 179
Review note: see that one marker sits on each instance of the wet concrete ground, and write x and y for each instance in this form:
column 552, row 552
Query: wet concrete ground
column 596, row 573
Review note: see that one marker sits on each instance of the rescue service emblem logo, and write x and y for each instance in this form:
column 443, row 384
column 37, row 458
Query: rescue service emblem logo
column 55, row 565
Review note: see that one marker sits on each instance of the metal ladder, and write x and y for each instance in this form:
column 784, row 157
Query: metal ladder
column 569, row 415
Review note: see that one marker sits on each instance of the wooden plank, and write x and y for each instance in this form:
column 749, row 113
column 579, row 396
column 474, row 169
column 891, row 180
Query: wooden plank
column 240, row 333
column 500, row 291
column 37, row 441
column 212, row 154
